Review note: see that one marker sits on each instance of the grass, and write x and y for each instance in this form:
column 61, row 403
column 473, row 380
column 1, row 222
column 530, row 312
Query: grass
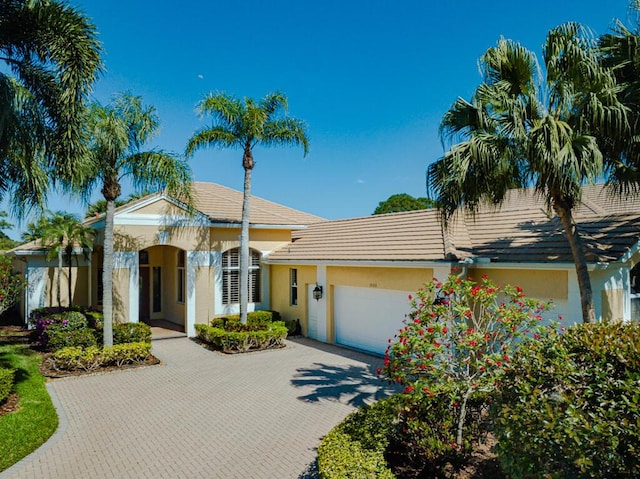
column 36, row 420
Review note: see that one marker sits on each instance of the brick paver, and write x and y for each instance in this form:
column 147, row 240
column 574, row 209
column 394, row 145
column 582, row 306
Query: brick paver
column 204, row 415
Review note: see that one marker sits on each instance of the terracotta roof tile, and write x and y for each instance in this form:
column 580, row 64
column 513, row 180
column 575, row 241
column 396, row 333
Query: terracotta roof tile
column 521, row 230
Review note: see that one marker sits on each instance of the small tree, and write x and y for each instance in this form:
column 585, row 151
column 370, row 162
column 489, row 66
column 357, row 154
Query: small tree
column 456, row 344
column 403, row 202
column 11, row 284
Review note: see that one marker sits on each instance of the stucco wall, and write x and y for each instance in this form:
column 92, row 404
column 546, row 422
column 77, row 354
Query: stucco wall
column 280, row 291
column 223, row 239
column 400, row 279
column 79, row 286
column 612, row 305
column 121, row 292
column 136, row 238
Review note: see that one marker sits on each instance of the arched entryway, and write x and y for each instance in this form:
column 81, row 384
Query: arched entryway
column 162, row 287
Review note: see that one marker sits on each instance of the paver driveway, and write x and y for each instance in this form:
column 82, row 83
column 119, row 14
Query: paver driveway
column 204, row 415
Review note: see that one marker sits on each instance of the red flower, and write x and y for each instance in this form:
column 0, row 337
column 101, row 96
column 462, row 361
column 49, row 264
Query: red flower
column 536, row 336
column 430, row 329
column 410, row 297
column 408, row 389
column 485, row 277
column 472, row 343
column 444, row 330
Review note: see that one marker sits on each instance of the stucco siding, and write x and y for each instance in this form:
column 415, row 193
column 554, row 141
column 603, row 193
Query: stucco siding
column 121, row 293
column 399, row 279
column 612, row 305
column 136, row 238
column 281, row 292
column 540, row 284
column 160, row 207
column 204, row 294
column 223, row 239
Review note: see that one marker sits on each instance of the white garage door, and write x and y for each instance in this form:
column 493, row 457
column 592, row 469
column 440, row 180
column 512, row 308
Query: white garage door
column 365, row 318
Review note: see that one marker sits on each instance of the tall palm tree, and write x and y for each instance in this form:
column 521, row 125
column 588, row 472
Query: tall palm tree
column 118, row 133
column 521, row 129
column 244, row 125
column 52, row 57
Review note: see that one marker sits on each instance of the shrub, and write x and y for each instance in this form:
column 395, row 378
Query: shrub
column 570, row 406
column 7, row 377
column 253, row 318
column 89, row 359
column 245, row 340
column 355, row 447
column 60, row 329
column 457, row 343
column 58, row 338
column 131, row 333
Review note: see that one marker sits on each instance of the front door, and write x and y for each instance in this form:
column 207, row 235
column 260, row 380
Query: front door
column 144, row 294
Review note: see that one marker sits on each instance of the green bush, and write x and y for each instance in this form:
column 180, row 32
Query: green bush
column 89, row 359
column 253, row 318
column 56, row 328
column 355, row 448
column 6, row 383
column 243, row 341
column 58, row 338
column 570, row 406
column 131, row 333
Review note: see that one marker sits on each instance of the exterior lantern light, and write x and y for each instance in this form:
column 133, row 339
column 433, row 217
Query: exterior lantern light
column 317, row 292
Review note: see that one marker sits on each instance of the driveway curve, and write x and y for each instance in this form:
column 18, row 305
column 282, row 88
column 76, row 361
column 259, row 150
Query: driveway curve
column 204, row 415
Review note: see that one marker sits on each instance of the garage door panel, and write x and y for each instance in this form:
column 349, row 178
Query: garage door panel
column 365, row 318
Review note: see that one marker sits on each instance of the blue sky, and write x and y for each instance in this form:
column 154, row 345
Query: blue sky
column 371, row 78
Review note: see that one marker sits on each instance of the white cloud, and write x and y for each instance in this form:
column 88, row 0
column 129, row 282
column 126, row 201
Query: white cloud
column 360, row 181
column 201, row 76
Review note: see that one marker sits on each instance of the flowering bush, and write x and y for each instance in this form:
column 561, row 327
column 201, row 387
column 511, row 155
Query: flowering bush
column 456, row 344
column 11, row 284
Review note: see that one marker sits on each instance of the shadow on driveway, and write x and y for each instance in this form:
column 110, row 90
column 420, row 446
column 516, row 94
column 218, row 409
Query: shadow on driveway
column 351, row 384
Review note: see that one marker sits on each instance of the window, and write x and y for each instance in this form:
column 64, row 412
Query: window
column 157, row 289
column 231, row 276
column 180, row 275
column 143, row 257
column 293, row 276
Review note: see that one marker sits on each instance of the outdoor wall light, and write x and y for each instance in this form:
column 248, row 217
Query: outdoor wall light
column 317, row 292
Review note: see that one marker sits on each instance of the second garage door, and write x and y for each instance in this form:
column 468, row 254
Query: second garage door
column 365, row 318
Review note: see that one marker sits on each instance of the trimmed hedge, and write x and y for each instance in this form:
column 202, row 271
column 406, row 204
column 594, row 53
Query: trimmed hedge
column 90, row 359
column 63, row 338
column 62, row 329
column 131, row 333
column 355, row 447
column 7, row 377
column 257, row 318
column 570, row 406
column 269, row 336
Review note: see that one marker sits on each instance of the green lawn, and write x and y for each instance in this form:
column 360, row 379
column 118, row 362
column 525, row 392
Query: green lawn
column 24, row 431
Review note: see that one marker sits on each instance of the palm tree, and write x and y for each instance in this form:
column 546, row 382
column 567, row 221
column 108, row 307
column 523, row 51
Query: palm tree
column 53, row 56
column 520, row 130
column 54, row 235
column 118, row 133
column 243, row 125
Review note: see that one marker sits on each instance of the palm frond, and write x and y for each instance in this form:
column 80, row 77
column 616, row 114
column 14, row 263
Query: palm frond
column 286, row 132
column 224, row 108
column 217, row 136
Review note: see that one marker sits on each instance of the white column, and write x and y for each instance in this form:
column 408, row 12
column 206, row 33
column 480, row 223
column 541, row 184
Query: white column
column 195, row 260
column 35, row 293
column 321, row 278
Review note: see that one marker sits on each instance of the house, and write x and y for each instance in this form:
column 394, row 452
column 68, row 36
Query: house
column 368, row 266
column 169, row 264
column 347, row 281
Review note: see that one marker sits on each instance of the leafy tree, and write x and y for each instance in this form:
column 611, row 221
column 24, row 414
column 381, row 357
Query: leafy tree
column 6, row 242
column 11, row 284
column 403, row 202
column 522, row 130
column 243, row 125
column 118, row 132
column 52, row 57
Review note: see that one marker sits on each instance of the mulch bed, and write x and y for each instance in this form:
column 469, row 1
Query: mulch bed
column 10, row 404
column 49, row 372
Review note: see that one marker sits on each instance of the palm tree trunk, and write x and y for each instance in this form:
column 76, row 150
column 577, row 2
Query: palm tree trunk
column 59, row 275
column 577, row 251
column 244, row 247
column 70, row 258
column 107, row 276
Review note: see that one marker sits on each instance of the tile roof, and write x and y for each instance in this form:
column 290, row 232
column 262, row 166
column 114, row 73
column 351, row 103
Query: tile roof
column 521, row 230
column 225, row 204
